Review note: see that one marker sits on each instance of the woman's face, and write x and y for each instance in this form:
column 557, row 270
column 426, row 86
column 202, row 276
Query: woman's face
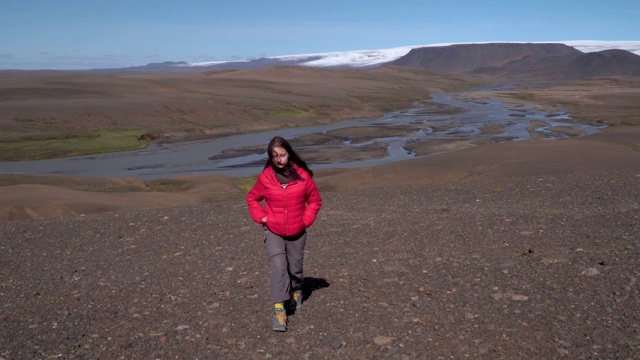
column 280, row 157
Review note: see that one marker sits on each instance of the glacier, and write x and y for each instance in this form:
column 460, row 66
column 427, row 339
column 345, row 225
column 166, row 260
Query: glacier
column 369, row 58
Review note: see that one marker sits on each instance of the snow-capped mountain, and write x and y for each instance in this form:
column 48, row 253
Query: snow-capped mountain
column 370, row 58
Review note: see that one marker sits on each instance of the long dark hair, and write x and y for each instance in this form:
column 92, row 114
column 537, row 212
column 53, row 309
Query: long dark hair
column 288, row 171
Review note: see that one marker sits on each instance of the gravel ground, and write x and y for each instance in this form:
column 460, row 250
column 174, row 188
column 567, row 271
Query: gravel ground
column 527, row 268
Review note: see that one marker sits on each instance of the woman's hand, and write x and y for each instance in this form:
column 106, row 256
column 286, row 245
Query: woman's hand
column 264, row 220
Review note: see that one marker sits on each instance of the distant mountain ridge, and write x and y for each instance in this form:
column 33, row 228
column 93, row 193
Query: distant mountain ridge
column 522, row 60
column 541, row 61
column 468, row 57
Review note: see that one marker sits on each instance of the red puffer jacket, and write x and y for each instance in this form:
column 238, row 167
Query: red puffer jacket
column 289, row 210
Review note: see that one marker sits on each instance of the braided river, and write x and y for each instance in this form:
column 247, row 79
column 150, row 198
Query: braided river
column 449, row 118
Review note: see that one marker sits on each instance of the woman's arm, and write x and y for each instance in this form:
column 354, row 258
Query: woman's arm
column 314, row 202
column 254, row 197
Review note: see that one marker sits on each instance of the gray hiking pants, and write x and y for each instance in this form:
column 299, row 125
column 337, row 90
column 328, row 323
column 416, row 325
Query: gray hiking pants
column 286, row 256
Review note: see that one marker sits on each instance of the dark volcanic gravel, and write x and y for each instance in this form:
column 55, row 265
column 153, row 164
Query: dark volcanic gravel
column 527, row 268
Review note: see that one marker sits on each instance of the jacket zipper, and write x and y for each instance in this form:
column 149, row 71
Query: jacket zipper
column 286, row 210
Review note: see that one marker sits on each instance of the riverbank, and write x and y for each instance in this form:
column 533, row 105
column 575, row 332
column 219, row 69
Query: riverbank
column 34, row 197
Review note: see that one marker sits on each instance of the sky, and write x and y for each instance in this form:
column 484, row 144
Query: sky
column 86, row 34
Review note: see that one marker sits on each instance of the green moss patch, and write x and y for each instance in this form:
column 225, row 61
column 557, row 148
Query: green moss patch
column 246, row 183
column 93, row 142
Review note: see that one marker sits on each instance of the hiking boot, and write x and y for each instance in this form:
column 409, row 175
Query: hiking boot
column 296, row 299
column 280, row 320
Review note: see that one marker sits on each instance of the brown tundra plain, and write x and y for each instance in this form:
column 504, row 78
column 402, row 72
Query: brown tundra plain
column 515, row 250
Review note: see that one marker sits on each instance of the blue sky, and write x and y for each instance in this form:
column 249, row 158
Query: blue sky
column 81, row 34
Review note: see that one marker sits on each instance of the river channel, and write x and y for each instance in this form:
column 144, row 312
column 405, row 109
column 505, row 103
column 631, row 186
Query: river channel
column 448, row 118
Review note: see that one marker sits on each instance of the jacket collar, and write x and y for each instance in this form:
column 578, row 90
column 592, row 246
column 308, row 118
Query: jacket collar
column 272, row 173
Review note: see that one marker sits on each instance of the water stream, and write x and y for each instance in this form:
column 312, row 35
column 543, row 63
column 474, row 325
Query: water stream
column 448, row 116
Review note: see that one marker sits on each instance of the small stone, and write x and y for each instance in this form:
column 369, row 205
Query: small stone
column 591, row 272
column 469, row 316
column 336, row 343
column 182, row 327
column 383, row 340
column 566, row 344
column 290, row 340
column 517, row 297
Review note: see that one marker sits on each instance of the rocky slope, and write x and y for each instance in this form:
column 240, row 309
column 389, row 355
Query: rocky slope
column 535, row 267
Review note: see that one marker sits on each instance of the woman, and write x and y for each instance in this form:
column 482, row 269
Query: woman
column 291, row 203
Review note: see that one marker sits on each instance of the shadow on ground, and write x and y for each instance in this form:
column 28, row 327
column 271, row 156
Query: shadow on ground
column 309, row 286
